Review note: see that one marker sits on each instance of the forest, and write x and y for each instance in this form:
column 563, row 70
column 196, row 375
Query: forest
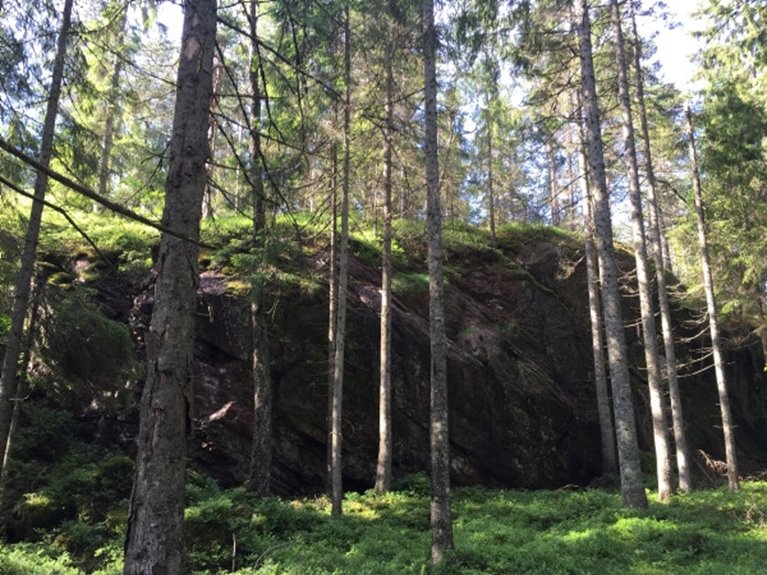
column 339, row 287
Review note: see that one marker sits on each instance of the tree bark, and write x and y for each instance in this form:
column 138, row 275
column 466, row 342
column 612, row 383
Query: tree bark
column 154, row 538
column 677, row 417
column 572, row 184
column 551, row 155
column 385, row 447
column 21, row 388
column 606, row 427
column 336, row 438
column 113, row 114
column 441, row 518
column 490, row 182
column 716, row 344
column 261, row 442
column 332, row 298
column 207, row 201
column 649, row 330
column 254, row 144
column 632, row 488
column 23, row 286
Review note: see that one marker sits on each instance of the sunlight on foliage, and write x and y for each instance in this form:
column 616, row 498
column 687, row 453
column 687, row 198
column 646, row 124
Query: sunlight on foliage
column 408, row 283
column 532, row 532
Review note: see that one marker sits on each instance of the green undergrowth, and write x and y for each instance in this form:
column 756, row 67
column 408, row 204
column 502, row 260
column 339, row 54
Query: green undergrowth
column 515, row 234
column 496, row 532
column 108, row 241
column 279, row 256
column 410, row 283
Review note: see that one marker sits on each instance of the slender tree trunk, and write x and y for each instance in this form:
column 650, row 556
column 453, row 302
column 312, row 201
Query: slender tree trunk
column 606, row 427
column 680, row 440
column 385, row 447
column 490, row 182
column 404, row 195
column 572, row 129
column 113, row 114
column 441, row 517
column 649, row 330
column 551, row 154
column 154, row 538
column 23, row 284
column 625, row 423
column 255, row 151
column 666, row 251
column 336, row 475
column 716, row 344
column 261, row 443
column 759, row 301
column 332, row 299
column 207, row 202
column 21, row 389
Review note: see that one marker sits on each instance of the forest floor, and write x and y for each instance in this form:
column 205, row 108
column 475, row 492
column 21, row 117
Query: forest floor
column 711, row 531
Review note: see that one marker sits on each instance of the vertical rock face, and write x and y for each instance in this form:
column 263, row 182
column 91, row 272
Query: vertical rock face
column 522, row 403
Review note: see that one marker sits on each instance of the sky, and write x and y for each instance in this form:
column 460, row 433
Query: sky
column 676, row 46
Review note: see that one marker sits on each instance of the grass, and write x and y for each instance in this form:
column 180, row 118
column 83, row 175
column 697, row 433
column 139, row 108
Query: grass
column 496, row 532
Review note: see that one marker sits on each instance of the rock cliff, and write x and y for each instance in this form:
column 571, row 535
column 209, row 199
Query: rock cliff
column 522, row 402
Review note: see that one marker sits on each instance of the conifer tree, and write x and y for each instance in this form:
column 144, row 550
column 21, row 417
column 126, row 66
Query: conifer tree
column 606, row 427
column 23, row 285
column 441, row 517
column 632, row 488
column 713, row 323
column 385, row 442
column 652, row 358
column 656, row 241
column 154, row 536
column 339, row 339
column 261, row 442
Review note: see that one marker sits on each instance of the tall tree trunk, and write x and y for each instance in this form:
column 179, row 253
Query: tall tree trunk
column 154, row 538
column 572, row 153
column 490, row 182
column 759, row 301
column 649, row 330
column 261, row 442
column 716, row 344
column 404, row 194
column 113, row 114
column 677, row 417
column 23, row 284
column 332, row 297
column 441, row 518
column 385, row 444
column 254, row 144
column 259, row 471
column 665, row 249
column 551, row 155
column 207, row 202
column 626, row 435
column 21, row 388
column 606, row 427
column 336, row 439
